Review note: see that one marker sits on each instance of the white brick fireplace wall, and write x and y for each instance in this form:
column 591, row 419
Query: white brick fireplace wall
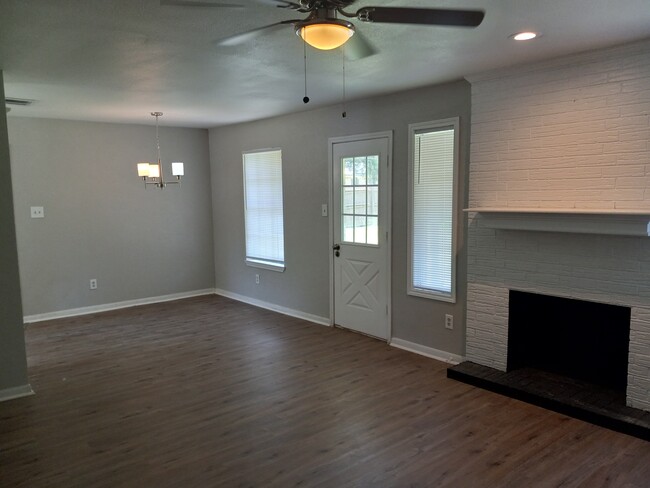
column 571, row 133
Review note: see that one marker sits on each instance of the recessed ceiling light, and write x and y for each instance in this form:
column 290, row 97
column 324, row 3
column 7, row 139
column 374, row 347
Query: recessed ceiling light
column 524, row 36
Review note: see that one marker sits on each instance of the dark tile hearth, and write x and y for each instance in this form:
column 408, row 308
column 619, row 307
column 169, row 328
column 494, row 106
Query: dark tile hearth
column 584, row 401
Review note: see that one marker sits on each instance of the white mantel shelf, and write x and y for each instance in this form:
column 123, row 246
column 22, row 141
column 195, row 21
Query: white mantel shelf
column 628, row 222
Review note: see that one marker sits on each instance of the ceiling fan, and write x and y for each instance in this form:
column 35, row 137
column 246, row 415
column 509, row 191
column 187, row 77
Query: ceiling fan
column 324, row 29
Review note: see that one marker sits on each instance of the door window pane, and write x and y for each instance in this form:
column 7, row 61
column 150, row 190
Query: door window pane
column 359, row 229
column 348, row 228
column 373, row 230
column 360, row 199
column 373, row 170
column 373, row 200
column 360, row 171
column 348, row 201
column 348, row 171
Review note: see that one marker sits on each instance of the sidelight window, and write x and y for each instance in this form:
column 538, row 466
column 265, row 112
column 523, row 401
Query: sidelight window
column 433, row 163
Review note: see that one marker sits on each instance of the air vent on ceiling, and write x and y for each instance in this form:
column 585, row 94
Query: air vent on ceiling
column 22, row 102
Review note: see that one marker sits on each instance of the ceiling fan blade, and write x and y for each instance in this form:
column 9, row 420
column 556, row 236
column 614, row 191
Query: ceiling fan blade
column 358, row 47
column 427, row 16
column 251, row 34
column 280, row 4
column 209, row 3
column 198, row 3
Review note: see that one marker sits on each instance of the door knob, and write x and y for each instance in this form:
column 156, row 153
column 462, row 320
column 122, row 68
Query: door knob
column 336, row 247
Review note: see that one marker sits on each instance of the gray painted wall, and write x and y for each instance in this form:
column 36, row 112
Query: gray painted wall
column 13, row 364
column 99, row 221
column 303, row 138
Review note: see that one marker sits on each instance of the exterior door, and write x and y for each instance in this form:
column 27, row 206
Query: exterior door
column 360, row 209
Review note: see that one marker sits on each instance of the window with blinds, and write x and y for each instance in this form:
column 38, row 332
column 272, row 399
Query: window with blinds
column 433, row 162
column 263, row 213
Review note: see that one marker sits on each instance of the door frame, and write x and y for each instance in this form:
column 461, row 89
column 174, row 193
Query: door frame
column 389, row 220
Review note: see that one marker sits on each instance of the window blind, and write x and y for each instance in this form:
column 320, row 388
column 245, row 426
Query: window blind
column 263, row 208
column 432, row 211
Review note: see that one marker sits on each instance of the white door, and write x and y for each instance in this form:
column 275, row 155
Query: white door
column 360, row 209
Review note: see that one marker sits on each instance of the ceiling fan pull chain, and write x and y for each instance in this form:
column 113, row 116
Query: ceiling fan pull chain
column 304, row 57
column 345, row 113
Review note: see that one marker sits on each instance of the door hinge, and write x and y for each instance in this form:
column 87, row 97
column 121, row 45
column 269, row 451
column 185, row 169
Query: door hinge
column 386, row 309
column 386, row 236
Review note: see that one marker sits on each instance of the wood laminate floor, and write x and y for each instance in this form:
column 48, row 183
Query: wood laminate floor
column 208, row 392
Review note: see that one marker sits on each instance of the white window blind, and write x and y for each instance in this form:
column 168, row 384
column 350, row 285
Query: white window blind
column 432, row 209
column 263, row 209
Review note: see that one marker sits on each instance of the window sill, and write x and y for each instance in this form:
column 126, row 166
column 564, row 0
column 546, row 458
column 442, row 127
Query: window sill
column 432, row 295
column 265, row 265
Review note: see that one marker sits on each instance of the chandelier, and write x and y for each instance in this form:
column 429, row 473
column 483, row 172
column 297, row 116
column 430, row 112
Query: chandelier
column 152, row 173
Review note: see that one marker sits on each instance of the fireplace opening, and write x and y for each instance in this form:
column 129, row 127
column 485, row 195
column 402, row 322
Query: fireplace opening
column 585, row 341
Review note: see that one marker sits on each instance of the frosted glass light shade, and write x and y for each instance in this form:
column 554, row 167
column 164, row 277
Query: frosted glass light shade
column 178, row 169
column 154, row 171
column 326, row 35
column 143, row 169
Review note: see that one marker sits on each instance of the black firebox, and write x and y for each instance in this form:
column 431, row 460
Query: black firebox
column 583, row 340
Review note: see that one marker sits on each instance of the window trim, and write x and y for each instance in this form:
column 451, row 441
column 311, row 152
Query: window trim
column 278, row 266
column 270, row 265
column 450, row 123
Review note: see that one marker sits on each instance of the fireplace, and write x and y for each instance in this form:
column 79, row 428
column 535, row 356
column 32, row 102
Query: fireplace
column 562, row 321
column 583, row 340
column 558, row 201
column 575, row 335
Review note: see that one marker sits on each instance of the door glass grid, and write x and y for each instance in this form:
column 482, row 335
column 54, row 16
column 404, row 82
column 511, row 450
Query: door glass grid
column 360, row 195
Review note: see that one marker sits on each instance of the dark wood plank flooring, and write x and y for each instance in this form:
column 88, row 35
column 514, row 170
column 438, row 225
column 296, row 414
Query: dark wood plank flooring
column 208, row 392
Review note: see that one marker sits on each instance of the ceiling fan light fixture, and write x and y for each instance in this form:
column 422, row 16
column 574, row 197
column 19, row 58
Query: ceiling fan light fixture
column 325, row 34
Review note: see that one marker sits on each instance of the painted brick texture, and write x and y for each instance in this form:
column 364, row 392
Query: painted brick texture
column 573, row 132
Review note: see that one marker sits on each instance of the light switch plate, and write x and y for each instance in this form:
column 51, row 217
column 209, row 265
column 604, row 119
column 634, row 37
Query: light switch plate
column 323, row 210
column 37, row 212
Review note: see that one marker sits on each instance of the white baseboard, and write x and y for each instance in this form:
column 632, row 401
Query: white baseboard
column 429, row 352
column 15, row 392
column 276, row 308
column 73, row 312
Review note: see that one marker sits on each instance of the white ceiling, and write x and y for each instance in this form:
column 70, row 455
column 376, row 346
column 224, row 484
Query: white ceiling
column 118, row 60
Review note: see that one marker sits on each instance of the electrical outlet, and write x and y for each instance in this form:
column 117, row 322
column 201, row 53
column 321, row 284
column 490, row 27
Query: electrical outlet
column 93, row 284
column 449, row 321
column 37, row 212
column 257, row 279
